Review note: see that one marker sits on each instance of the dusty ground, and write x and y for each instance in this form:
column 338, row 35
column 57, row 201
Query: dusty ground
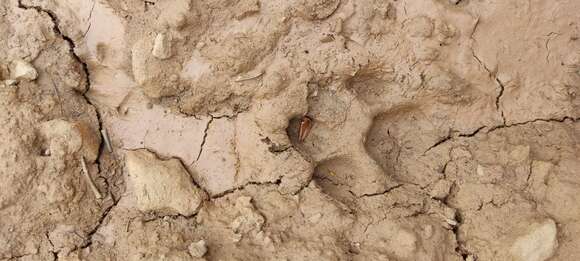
column 441, row 130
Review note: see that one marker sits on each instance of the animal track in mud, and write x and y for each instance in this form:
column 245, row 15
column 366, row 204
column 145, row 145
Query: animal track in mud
column 430, row 130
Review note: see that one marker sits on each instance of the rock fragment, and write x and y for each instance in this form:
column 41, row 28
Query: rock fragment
column 249, row 220
column 22, row 70
column 538, row 244
column 198, row 249
column 440, row 189
column 9, row 82
column 162, row 46
column 161, row 185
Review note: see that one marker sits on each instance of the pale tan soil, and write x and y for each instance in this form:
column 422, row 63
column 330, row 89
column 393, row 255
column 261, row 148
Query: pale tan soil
column 441, row 130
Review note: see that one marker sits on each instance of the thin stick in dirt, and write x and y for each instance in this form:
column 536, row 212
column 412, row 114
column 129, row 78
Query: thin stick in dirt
column 107, row 141
column 89, row 180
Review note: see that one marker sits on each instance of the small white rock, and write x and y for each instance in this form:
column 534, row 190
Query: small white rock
column 162, row 46
column 451, row 222
column 480, row 170
column 23, row 70
column 198, row 249
column 237, row 237
column 10, row 82
column 538, row 244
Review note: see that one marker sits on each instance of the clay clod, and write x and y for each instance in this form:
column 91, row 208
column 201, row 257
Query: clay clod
column 161, row 185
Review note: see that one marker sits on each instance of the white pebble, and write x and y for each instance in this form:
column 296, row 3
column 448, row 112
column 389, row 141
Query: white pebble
column 198, row 249
column 236, row 237
column 451, row 222
column 23, row 70
column 538, row 244
column 10, row 82
column 162, row 46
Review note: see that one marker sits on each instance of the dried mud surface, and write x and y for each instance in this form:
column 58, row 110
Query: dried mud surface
column 169, row 130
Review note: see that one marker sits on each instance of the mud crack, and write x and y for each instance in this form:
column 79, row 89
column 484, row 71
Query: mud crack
column 382, row 192
column 494, row 128
column 560, row 120
column 90, row 234
column 498, row 99
column 242, row 187
column 157, row 217
column 52, row 250
column 491, row 74
column 451, row 135
column 204, row 138
column 72, row 46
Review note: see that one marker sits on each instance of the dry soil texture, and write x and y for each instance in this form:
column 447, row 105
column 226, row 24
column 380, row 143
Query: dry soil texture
column 290, row 130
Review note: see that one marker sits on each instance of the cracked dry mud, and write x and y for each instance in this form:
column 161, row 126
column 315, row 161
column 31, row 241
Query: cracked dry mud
column 442, row 130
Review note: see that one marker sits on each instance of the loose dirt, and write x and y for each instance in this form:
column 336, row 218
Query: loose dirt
column 175, row 130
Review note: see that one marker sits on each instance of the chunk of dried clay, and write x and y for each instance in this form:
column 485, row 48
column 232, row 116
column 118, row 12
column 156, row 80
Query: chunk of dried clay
column 440, row 189
column 420, row 26
column 320, row 9
column 198, row 249
column 22, row 70
column 162, row 46
column 247, row 8
column 248, row 219
column 91, row 142
column 65, row 138
column 161, row 185
column 538, row 244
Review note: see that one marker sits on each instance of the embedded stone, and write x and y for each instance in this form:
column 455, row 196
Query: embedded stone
column 161, row 185
column 198, row 249
column 162, row 46
column 22, row 70
column 538, row 244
